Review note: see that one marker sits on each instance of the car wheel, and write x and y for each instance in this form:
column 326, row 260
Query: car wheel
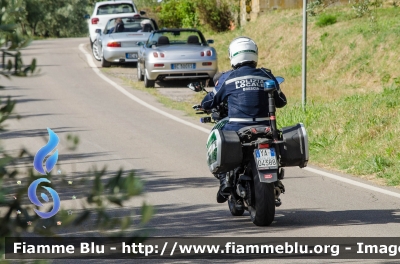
column 148, row 83
column 105, row 63
column 95, row 51
column 139, row 73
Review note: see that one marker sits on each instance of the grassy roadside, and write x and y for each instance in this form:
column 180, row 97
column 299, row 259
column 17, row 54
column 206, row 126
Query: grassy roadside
column 353, row 112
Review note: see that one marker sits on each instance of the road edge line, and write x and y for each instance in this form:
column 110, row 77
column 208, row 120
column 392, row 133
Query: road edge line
column 131, row 96
column 353, row 182
column 177, row 119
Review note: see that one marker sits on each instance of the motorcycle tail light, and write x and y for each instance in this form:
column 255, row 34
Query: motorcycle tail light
column 261, row 146
column 209, row 53
column 155, row 54
column 95, row 20
column 114, row 44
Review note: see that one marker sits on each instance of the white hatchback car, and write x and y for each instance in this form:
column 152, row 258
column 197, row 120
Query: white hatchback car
column 104, row 11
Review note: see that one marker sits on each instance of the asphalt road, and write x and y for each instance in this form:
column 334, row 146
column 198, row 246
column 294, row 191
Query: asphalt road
column 115, row 131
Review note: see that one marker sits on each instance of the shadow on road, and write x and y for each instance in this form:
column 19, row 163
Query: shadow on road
column 37, row 132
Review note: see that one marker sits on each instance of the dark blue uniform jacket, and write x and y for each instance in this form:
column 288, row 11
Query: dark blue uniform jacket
column 243, row 89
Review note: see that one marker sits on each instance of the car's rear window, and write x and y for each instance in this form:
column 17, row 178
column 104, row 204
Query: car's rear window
column 130, row 25
column 115, row 9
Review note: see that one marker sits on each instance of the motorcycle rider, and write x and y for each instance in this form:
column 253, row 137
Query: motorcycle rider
column 243, row 89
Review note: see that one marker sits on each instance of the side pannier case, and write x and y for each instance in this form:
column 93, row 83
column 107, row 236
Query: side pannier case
column 294, row 150
column 224, row 151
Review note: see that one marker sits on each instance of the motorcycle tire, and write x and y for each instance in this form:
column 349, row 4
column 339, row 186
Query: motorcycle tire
column 232, row 207
column 262, row 211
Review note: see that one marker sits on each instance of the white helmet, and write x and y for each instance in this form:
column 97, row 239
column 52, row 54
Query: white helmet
column 243, row 50
column 146, row 21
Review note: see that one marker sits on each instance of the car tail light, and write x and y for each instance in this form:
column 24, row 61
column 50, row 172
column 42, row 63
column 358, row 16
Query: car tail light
column 261, row 146
column 202, row 54
column 159, row 65
column 207, row 63
column 162, row 55
column 114, row 44
column 95, row 20
column 208, row 52
column 155, row 54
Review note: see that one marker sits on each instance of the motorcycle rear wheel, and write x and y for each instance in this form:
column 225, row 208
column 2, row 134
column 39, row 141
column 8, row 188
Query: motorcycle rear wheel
column 262, row 211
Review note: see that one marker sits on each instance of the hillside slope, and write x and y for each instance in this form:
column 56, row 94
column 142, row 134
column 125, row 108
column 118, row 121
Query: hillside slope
column 353, row 86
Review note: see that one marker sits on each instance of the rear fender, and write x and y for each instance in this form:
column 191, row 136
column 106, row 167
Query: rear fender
column 268, row 176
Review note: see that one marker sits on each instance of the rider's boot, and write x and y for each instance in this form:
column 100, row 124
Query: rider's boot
column 224, row 188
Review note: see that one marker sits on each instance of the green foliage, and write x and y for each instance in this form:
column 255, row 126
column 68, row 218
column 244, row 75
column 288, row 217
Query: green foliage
column 96, row 195
column 178, row 13
column 48, row 18
column 326, row 20
column 216, row 15
column 315, row 7
column 363, row 8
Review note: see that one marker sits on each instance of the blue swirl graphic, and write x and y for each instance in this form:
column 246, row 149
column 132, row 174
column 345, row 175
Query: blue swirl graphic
column 54, row 195
column 44, row 151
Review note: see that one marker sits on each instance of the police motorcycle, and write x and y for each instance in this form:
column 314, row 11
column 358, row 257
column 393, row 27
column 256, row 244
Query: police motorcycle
column 254, row 157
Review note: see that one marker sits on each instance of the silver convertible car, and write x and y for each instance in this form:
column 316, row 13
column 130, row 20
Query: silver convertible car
column 176, row 54
column 117, row 43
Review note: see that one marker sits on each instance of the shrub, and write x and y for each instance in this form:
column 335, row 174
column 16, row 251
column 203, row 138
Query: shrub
column 216, row 14
column 325, row 20
column 178, row 13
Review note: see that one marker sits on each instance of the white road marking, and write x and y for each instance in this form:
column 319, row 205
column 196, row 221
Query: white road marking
column 136, row 99
column 356, row 183
column 131, row 96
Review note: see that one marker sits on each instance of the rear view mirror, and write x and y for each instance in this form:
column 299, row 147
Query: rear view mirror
column 139, row 43
column 195, row 86
column 280, row 79
column 86, row 16
column 210, row 41
column 142, row 13
column 98, row 31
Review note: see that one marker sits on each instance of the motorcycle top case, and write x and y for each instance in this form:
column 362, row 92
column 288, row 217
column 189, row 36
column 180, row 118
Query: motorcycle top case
column 294, row 150
column 224, row 151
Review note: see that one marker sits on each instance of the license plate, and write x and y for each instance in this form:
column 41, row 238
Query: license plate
column 131, row 55
column 182, row 66
column 266, row 158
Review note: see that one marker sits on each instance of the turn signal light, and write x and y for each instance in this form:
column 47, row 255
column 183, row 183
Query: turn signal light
column 95, row 20
column 114, row 44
